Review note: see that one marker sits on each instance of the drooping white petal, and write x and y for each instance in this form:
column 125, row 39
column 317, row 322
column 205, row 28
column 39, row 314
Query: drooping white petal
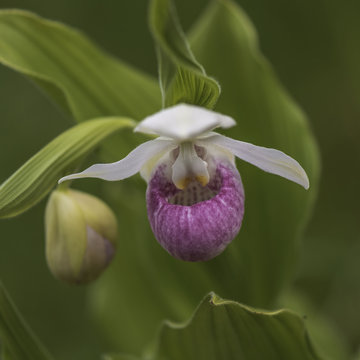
column 189, row 167
column 270, row 160
column 183, row 122
column 126, row 167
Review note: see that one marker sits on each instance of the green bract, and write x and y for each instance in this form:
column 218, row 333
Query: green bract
column 182, row 77
column 27, row 186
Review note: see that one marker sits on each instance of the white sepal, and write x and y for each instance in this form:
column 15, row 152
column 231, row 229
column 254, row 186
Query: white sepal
column 183, row 122
column 269, row 160
column 126, row 167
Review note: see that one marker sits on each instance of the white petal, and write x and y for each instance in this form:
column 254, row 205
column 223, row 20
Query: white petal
column 183, row 122
column 126, row 167
column 189, row 167
column 270, row 160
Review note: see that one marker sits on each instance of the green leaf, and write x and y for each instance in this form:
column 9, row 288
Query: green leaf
column 182, row 78
column 78, row 76
column 28, row 185
column 263, row 257
column 222, row 329
column 17, row 339
column 259, row 263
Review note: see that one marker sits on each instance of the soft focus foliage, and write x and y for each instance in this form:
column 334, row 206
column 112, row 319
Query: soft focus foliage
column 17, row 339
column 317, row 62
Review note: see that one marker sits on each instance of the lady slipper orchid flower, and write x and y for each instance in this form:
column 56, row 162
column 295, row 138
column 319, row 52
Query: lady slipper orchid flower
column 195, row 197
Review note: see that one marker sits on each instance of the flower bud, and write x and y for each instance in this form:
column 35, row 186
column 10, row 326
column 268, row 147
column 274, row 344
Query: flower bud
column 80, row 236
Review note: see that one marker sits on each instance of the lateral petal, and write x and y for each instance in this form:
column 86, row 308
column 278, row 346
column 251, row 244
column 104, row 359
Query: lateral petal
column 270, row 160
column 127, row 166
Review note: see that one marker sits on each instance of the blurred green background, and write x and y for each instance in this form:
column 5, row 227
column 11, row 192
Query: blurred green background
column 314, row 49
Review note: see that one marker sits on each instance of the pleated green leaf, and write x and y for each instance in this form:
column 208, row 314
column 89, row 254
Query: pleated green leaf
column 17, row 340
column 28, row 185
column 76, row 74
column 259, row 262
column 182, row 78
column 222, row 329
